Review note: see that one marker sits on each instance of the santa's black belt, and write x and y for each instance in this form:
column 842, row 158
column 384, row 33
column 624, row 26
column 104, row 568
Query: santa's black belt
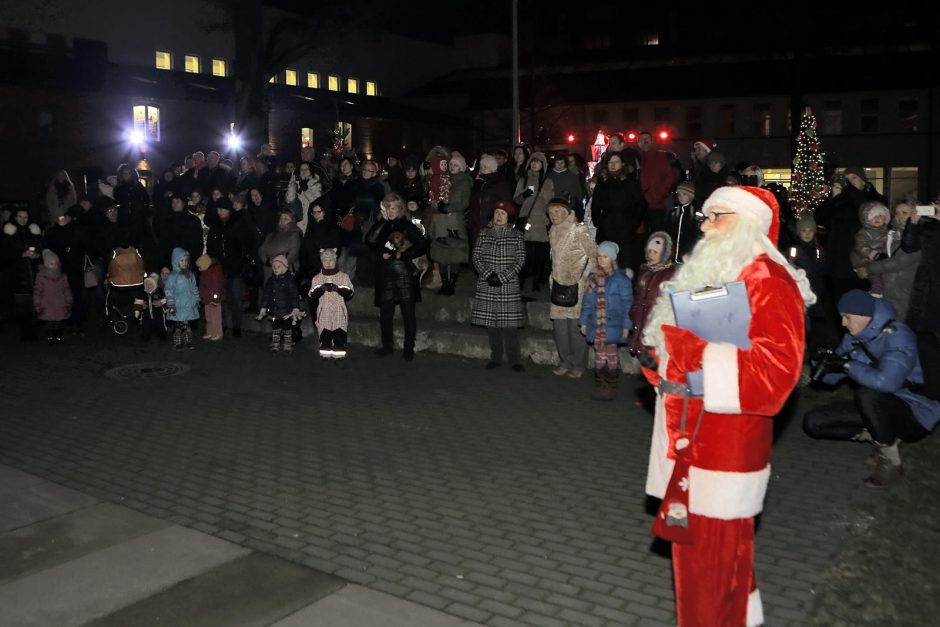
column 675, row 389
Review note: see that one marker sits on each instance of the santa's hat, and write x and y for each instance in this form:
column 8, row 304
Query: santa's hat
column 706, row 143
column 755, row 203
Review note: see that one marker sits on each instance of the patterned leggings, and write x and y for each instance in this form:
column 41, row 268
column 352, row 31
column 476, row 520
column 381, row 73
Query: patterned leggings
column 606, row 356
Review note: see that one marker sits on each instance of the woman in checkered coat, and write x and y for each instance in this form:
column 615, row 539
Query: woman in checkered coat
column 498, row 256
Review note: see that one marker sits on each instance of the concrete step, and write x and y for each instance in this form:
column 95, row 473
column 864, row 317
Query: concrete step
column 454, row 308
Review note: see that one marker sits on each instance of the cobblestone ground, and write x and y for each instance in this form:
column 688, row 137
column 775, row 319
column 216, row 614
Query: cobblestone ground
column 499, row 497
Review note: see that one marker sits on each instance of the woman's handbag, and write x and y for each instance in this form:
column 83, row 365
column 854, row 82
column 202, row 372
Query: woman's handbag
column 348, row 221
column 91, row 276
column 564, row 295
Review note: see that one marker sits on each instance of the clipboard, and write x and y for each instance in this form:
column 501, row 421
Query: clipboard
column 715, row 314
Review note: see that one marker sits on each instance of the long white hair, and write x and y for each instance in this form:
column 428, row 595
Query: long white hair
column 718, row 258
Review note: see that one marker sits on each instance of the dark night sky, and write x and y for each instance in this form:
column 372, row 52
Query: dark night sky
column 548, row 27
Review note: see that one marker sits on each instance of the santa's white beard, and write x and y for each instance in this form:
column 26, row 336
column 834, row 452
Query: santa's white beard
column 716, row 259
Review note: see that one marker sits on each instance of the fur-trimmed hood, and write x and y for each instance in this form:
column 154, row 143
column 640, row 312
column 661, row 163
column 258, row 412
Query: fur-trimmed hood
column 10, row 228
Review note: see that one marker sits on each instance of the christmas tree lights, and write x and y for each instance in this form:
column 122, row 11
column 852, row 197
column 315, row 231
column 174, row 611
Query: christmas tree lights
column 808, row 186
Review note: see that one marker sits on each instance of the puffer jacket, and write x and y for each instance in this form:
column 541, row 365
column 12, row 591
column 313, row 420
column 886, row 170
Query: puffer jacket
column 396, row 281
column 894, row 347
column 618, row 296
column 281, row 295
column 52, row 298
column 182, row 295
column 20, row 271
column 574, row 255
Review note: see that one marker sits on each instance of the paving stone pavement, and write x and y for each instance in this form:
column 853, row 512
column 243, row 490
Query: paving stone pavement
column 498, row 497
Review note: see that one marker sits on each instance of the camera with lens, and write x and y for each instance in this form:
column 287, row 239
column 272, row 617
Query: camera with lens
column 827, row 361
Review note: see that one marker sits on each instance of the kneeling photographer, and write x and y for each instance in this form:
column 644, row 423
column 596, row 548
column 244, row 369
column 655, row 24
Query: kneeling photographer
column 879, row 357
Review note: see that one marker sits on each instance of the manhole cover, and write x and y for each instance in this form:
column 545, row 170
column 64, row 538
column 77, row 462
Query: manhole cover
column 147, row 370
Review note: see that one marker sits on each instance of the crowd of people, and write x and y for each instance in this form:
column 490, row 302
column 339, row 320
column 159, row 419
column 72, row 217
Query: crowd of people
column 609, row 246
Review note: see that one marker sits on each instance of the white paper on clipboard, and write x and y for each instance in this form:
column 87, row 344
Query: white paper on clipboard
column 715, row 314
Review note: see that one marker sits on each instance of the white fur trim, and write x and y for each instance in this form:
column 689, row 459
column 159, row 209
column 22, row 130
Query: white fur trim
column 742, row 202
column 660, row 466
column 34, row 229
column 9, row 229
column 727, row 495
column 720, row 378
column 755, row 610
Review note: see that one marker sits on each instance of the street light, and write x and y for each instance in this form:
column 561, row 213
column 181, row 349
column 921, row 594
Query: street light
column 234, row 142
column 136, row 137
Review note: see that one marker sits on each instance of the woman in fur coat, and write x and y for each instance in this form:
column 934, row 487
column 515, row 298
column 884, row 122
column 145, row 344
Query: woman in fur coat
column 574, row 256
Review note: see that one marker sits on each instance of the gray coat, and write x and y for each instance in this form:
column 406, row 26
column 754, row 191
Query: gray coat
column 898, row 271
column 499, row 250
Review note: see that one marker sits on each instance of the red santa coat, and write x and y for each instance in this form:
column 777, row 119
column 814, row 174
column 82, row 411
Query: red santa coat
column 743, row 390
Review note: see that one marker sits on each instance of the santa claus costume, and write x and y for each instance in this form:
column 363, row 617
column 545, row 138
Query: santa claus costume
column 724, row 437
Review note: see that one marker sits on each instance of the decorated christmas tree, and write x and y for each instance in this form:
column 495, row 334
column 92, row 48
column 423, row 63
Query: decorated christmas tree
column 808, row 184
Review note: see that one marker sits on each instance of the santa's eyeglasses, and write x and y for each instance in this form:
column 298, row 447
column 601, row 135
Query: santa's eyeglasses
column 712, row 216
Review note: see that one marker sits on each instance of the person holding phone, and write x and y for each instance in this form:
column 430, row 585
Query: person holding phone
column 923, row 315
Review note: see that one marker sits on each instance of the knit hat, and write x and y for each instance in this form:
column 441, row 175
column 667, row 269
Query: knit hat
column 559, row 201
column 857, row 171
column 872, row 208
column 223, row 202
column 608, row 248
column 708, row 144
column 687, row 187
column 806, row 223
column 280, row 259
column 327, row 254
column 49, row 258
column 75, row 212
column 661, row 238
column 203, row 262
column 508, row 206
column 151, row 282
column 755, row 203
column 857, row 302
column 716, row 157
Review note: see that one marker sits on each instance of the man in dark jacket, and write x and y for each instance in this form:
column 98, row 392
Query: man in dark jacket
column 618, row 207
column 180, row 229
column 879, row 355
column 231, row 240
column 923, row 314
column 488, row 189
column 567, row 185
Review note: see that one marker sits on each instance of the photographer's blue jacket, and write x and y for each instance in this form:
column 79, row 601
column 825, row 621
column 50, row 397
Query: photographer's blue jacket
column 894, row 346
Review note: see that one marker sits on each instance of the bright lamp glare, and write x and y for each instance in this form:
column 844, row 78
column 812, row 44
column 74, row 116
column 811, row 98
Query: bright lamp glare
column 136, row 137
column 234, row 142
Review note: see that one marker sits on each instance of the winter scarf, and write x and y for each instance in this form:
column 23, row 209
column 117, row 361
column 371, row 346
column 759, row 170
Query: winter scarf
column 599, row 279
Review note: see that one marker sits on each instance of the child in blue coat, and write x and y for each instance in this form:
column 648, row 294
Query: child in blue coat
column 605, row 318
column 182, row 300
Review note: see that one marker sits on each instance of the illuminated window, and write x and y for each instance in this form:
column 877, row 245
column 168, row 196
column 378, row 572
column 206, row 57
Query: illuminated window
column 290, row 77
column 219, row 67
column 306, row 137
column 313, row 80
column 192, row 64
column 333, row 83
column 651, row 39
column 164, row 60
column 273, row 79
column 352, row 85
column 371, row 88
column 147, row 121
column 777, row 175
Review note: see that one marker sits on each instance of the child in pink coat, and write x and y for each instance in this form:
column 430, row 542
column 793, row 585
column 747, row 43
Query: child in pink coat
column 52, row 298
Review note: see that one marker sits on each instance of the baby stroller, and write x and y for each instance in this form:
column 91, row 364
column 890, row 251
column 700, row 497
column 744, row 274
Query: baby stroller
column 125, row 278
